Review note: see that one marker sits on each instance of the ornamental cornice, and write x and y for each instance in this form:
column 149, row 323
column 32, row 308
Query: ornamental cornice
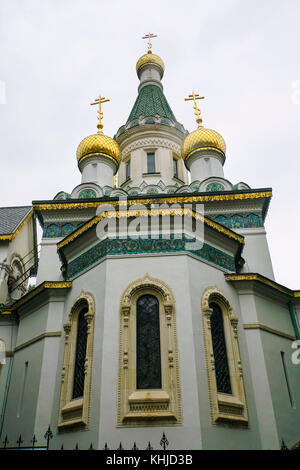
column 181, row 198
column 151, row 141
column 151, row 212
column 261, row 280
column 42, row 287
column 69, row 218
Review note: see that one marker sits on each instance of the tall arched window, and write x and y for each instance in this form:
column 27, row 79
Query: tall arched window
column 148, row 386
column 78, row 382
column 77, row 365
column 220, row 351
column 148, row 357
column 223, row 361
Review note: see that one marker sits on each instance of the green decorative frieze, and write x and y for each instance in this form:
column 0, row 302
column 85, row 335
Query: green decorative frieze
column 87, row 194
column 215, row 187
column 120, row 246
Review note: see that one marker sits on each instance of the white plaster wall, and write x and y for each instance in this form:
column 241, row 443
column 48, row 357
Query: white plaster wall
column 163, row 165
column 256, row 252
column 98, row 171
column 149, row 76
column 259, row 373
column 120, row 273
column 287, row 415
column 3, row 250
column 47, row 379
column 200, row 277
column 49, row 262
column 20, row 416
column 206, row 166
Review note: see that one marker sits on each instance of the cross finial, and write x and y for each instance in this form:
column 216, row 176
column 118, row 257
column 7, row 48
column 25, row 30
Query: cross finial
column 98, row 101
column 194, row 97
column 149, row 36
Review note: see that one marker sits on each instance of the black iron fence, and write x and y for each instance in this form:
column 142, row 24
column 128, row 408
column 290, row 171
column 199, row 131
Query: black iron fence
column 32, row 445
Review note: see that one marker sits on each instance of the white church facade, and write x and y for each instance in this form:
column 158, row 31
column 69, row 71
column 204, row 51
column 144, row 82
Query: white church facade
column 134, row 328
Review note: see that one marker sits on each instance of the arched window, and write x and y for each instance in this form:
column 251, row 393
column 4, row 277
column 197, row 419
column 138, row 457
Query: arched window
column 224, row 368
column 77, row 366
column 78, row 382
column 148, row 357
column 219, row 347
column 148, row 386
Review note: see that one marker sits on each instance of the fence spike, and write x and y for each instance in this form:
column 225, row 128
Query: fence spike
column 149, row 446
column 77, row 448
column 120, row 447
column 6, row 441
column 62, row 447
column 91, row 447
column 48, row 435
column 33, row 440
column 164, row 441
column 283, row 446
column 19, row 441
column 106, row 446
column 135, row 447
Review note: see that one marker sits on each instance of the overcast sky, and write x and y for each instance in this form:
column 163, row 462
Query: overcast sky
column 56, row 56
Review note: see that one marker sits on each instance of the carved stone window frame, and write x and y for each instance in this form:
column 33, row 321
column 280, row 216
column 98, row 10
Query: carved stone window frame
column 148, row 407
column 225, row 408
column 75, row 412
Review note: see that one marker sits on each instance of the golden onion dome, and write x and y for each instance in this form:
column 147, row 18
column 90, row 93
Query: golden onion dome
column 99, row 144
column 202, row 139
column 151, row 59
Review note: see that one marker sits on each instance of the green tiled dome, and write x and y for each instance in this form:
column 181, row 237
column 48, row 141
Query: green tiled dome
column 151, row 101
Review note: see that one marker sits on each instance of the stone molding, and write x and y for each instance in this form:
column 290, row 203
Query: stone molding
column 75, row 413
column 225, row 408
column 150, row 141
column 155, row 407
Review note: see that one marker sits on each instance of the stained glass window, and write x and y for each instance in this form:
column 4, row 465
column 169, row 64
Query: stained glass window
column 148, row 356
column 219, row 348
column 78, row 383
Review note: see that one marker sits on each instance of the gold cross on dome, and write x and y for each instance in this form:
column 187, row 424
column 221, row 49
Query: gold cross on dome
column 99, row 101
column 194, row 97
column 148, row 36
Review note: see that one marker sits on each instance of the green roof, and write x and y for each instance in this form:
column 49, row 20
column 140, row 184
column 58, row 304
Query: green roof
column 151, row 101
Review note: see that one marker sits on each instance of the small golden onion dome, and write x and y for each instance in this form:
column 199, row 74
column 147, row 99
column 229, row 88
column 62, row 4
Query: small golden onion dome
column 152, row 59
column 99, row 144
column 202, row 139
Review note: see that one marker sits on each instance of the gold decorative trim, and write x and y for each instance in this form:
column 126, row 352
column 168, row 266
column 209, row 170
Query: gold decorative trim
column 99, row 154
column 224, row 408
column 146, row 213
column 262, row 280
column 201, row 149
column 76, row 412
column 150, row 407
column 47, row 334
column 161, row 200
column 11, row 236
column 45, row 285
column 260, row 326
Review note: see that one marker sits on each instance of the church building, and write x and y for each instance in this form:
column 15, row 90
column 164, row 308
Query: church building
column 155, row 309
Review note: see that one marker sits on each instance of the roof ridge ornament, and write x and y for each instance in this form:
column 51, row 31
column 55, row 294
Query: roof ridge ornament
column 193, row 97
column 99, row 101
column 149, row 36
